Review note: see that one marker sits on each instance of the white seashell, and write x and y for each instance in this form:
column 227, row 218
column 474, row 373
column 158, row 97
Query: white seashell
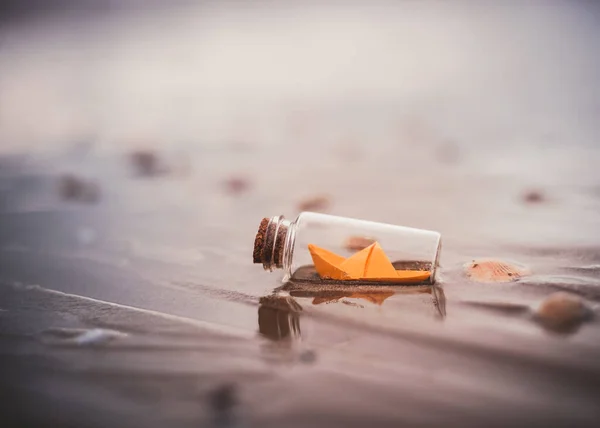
column 79, row 336
column 97, row 336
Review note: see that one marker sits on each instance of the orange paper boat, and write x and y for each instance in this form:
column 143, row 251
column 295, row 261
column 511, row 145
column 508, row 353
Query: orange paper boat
column 370, row 263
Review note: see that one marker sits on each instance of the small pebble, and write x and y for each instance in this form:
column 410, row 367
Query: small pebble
column 147, row 163
column 533, row 197
column 357, row 243
column 492, row 270
column 237, row 185
column 562, row 311
column 73, row 188
column 315, row 203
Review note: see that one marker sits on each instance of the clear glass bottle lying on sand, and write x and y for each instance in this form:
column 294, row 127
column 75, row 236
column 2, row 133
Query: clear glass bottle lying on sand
column 318, row 247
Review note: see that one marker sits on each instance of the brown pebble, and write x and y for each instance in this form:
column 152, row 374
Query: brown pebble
column 236, row 185
column 315, row 203
column 73, row 188
column 147, row 163
column 357, row 243
column 491, row 270
column 533, row 197
column 561, row 311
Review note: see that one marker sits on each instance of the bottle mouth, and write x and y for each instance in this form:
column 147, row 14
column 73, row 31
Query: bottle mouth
column 270, row 242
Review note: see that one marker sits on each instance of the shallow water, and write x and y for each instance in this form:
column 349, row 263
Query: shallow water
column 201, row 335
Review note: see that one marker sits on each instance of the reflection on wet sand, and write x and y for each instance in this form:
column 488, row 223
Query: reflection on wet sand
column 375, row 298
column 279, row 314
column 375, row 294
column 439, row 300
column 279, row 317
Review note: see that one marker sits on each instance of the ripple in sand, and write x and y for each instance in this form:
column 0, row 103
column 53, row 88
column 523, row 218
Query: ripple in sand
column 506, row 308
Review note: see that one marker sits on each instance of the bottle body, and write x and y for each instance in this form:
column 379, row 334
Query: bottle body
column 321, row 247
column 407, row 248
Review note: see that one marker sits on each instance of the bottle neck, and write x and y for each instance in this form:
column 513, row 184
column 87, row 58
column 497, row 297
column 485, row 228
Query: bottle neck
column 273, row 243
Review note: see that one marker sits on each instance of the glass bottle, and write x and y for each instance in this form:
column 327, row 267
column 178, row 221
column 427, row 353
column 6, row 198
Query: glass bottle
column 291, row 246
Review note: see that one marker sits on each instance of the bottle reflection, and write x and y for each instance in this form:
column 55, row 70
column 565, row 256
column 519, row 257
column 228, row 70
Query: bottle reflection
column 439, row 300
column 375, row 294
column 279, row 317
column 279, row 314
column 326, row 297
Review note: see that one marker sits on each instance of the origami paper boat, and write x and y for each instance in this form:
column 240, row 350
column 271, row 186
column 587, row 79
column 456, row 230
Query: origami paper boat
column 370, row 263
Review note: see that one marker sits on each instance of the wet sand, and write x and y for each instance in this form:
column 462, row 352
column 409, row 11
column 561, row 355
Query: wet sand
column 198, row 319
column 160, row 266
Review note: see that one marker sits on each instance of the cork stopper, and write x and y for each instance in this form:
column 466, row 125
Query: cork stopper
column 270, row 241
column 259, row 241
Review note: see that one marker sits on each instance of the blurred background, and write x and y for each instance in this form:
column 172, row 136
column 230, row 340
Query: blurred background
column 496, row 90
column 141, row 143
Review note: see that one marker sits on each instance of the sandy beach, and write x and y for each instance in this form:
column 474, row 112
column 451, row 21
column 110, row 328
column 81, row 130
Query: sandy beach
column 136, row 303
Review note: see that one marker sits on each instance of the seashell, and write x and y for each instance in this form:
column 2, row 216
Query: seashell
column 318, row 203
column 493, row 270
column 80, row 336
